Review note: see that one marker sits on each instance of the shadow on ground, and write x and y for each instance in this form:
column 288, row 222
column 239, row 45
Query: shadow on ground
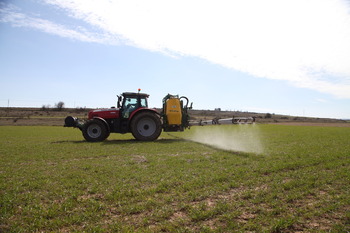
column 122, row 141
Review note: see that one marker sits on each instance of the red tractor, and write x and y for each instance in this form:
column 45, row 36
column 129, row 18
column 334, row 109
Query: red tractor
column 134, row 116
column 145, row 124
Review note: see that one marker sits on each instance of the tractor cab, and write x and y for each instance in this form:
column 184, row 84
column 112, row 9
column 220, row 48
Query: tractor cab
column 130, row 101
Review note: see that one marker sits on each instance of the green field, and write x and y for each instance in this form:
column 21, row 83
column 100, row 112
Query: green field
column 262, row 178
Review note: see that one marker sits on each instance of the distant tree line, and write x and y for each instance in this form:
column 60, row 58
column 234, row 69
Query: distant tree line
column 57, row 107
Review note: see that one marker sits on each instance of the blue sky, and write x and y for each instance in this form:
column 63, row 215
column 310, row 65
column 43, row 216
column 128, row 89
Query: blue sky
column 277, row 56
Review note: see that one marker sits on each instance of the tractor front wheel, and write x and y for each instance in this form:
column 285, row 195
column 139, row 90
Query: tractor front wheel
column 95, row 131
column 146, row 126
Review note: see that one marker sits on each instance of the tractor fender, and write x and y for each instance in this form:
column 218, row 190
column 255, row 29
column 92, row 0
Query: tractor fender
column 134, row 113
column 103, row 121
column 142, row 110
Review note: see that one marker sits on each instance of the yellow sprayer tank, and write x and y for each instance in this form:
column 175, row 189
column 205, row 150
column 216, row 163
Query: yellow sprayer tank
column 173, row 111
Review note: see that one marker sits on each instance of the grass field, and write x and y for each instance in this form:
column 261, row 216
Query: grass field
column 285, row 179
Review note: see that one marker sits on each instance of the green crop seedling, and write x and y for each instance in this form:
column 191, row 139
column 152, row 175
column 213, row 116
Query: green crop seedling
column 283, row 178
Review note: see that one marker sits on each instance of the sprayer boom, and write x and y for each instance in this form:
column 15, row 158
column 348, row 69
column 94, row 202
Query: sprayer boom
column 226, row 121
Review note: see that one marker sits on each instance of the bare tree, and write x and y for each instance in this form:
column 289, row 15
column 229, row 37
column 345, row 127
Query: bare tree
column 45, row 107
column 59, row 106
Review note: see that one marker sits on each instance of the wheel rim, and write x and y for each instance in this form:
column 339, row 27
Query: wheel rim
column 94, row 131
column 146, row 127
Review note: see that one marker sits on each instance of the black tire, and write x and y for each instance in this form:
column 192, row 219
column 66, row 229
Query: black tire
column 146, row 126
column 95, row 131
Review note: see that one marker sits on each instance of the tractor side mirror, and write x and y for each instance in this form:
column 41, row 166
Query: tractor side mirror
column 119, row 101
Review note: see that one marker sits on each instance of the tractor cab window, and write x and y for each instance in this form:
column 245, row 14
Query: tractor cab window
column 144, row 102
column 130, row 104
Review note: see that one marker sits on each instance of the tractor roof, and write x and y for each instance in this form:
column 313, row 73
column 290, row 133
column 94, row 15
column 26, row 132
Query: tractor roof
column 135, row 94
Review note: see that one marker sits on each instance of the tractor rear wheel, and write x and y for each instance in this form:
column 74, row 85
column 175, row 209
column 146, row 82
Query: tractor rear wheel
column 95, row 131
column 146, row 126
